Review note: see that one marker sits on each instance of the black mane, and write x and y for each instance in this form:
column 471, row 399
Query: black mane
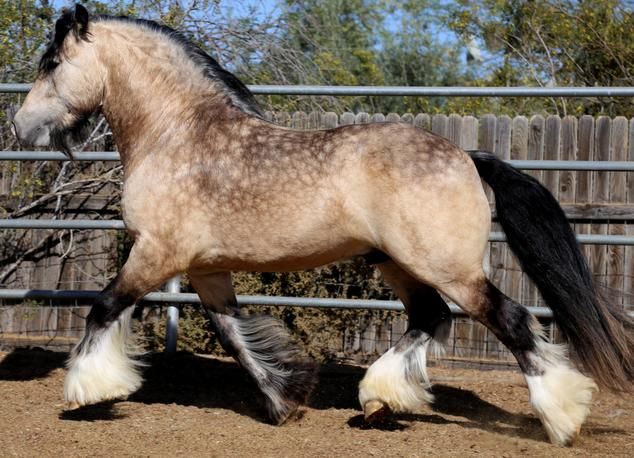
column 238, row 93
column 64, row 24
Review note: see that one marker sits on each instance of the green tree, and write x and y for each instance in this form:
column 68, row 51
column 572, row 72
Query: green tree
column 554, row 43
column 413, row 54
column 24, row 27
column 363, row 42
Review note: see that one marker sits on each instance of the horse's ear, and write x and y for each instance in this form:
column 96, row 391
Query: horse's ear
column 81, row 19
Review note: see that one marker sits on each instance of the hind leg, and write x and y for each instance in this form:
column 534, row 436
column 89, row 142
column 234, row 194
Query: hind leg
column 102, row 366
column 559, row 393
column 398, row 380
column 261, row 344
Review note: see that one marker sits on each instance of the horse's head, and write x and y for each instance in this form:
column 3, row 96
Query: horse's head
column 68, row 88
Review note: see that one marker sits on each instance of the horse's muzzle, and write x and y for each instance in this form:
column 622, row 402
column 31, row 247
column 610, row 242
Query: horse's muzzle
column 30, row 135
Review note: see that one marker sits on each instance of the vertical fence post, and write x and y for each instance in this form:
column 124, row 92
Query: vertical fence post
column 171, row 329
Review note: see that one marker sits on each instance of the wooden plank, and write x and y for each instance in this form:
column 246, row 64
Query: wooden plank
column 330, row 120
column 479, row 341
column 536, row 133
column 408, row 118
column 368, row 339
column 601, row 193
column 362, row 118
column 486, row 139
column 518, row 150
column 486, row 142
column 585, row 152
column 8, row 319
column 299, row 120
column 48, row 322
column 423, row 121
column 393, row 117
column 618, row 194
column 64, row 321
column 383, row 336
column 454, row 128
column 469, row 133
column 567, row 178
column 399, row 326
column 314, row 120
column 501, row 255
column 589, row 211
column 439, row 125
column 377, row 117
column 282, row 118
column 347, row 119
column 552, row 151
column 535, row 151
column 519, row 138
column 461, row 341
column 78, row 320
column 628, row 262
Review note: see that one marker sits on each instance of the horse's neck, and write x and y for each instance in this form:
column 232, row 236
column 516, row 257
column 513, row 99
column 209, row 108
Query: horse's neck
column 150, row 103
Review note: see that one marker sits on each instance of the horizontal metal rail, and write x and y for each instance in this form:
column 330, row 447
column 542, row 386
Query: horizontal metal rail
column 25, row 223
column 582, row 166
column 285, row 301
column 83, row 224
column 422, row 91
column 599, row 166
column 58, row 156
column 191, row 298
column 430, row 91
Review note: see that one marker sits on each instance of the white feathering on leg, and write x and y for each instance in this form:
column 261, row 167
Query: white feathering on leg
column 104, row 368
column 562, row 395
column 398, row 379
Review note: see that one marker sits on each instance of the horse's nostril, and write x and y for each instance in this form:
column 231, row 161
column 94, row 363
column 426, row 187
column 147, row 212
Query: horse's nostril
column 14, row 129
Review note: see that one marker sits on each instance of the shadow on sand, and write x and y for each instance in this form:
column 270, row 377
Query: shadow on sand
column 191, row 380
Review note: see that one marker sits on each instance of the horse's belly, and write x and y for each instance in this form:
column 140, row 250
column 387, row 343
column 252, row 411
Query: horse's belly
column 249, row 255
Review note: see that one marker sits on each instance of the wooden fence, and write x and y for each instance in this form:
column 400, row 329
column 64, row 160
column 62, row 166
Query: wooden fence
column 596, row 203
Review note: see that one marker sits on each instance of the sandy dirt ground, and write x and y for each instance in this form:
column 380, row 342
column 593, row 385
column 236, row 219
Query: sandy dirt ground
column 199, row 406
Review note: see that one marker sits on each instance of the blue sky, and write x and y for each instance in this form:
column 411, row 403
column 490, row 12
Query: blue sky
column 270, row 8
column 240, row 7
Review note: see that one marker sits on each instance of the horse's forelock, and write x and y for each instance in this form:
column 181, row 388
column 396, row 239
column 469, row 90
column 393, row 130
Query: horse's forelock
column 70, row 20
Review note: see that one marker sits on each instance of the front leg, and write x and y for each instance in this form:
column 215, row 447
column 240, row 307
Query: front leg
column 103, row 365
column 261, row 344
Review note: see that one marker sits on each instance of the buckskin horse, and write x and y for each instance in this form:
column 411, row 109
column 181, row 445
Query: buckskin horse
column 211, row 187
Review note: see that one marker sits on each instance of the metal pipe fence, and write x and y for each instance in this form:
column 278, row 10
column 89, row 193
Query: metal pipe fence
column 115, row 224
column 593, row 166
column 420, row 91
column 174, row 296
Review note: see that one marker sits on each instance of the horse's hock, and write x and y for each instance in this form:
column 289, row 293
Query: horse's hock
column 596, row 202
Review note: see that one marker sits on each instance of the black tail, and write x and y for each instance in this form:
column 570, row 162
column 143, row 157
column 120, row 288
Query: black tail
column 601, row 335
